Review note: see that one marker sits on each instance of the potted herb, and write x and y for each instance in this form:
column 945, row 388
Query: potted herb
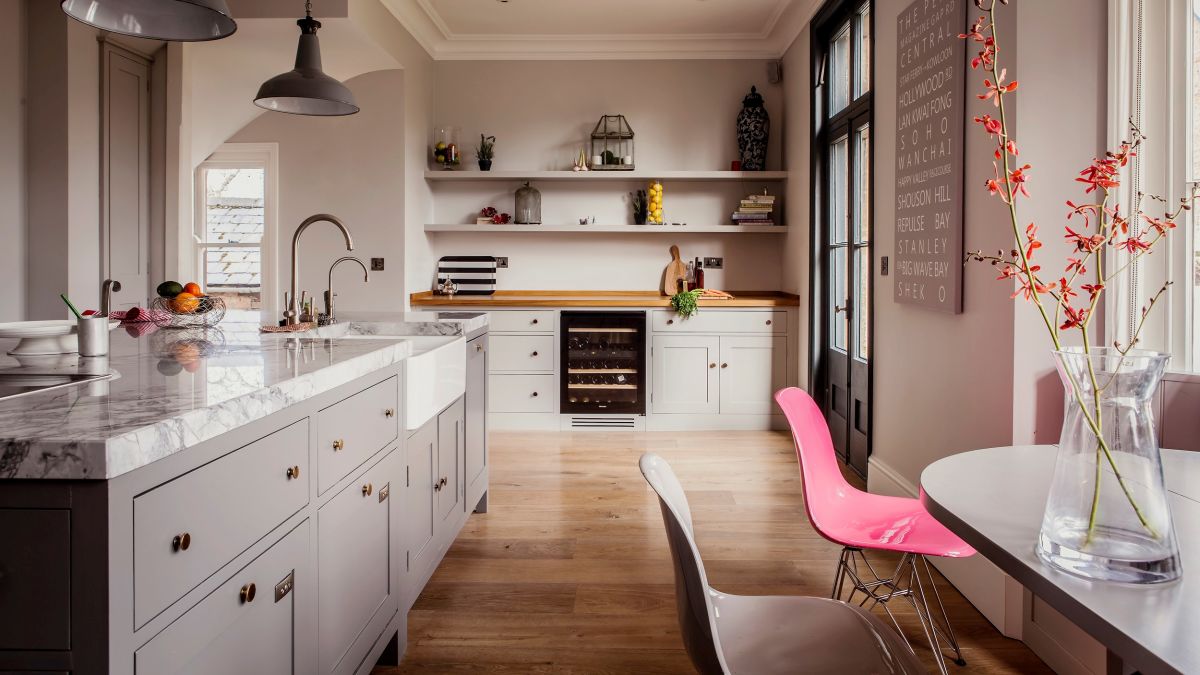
column 641, row 206
column 485, row 152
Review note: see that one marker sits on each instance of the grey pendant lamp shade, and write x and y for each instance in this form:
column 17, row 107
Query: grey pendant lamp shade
column 174, row 20
column 306, row 90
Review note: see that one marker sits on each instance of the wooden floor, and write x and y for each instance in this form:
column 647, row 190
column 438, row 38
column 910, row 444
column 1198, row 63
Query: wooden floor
column 569, row 572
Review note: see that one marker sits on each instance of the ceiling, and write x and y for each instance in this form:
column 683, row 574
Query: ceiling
column 603, row 29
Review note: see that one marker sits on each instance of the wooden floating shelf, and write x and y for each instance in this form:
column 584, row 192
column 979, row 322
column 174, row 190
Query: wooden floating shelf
column 611, row 176
column 634, row 229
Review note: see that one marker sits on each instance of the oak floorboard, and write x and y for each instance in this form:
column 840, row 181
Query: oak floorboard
column 569, row 572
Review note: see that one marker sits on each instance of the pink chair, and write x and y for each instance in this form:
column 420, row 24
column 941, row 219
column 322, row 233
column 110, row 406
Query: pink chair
column 859, row 520
column 766, row 634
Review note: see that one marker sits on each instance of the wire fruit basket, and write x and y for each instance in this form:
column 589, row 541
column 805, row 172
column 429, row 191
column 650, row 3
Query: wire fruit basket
column 200, row 312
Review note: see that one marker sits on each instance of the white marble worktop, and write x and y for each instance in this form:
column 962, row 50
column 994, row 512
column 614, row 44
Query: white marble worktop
column 174, row 389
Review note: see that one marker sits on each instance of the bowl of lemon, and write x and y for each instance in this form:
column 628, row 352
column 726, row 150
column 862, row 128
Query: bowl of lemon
column 185, row 306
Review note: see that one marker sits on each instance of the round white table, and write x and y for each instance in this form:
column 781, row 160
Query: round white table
column 994, row 500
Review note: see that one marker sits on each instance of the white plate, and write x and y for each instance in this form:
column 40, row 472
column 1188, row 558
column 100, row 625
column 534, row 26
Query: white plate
column 40, row 338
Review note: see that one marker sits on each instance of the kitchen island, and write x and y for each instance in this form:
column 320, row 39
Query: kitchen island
column 226, row 501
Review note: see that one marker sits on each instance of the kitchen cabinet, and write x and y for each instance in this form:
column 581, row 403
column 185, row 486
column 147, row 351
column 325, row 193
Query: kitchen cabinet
column 451, row 447
column 420, row 496
column 354, row 429
column 355, row 597
column 475, row 459
column 35, row 579
column 247, row 625
column 685, row 374
column 752, row 370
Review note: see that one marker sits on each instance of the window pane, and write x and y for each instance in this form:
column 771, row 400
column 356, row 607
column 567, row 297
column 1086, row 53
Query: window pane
column 862, row 184
column 230, row 269
column 862, row 61
column 839, row 72
column 837, row 188
column 233, row 211
column 862, row 305
column 837, row 298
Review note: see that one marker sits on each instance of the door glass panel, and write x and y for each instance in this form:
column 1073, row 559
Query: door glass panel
column 838, row 190
column 862, row 59
column 862, row 293
column 862, row 184
column 839, row 71
column 837, row 298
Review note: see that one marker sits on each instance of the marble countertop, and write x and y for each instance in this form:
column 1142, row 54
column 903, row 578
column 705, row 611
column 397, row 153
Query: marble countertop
column 173, row 389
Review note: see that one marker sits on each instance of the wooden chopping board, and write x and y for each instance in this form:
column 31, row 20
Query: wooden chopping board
column 675, row 271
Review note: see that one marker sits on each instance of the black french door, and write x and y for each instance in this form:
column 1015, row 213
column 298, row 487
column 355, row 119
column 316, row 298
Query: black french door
column 842, row 257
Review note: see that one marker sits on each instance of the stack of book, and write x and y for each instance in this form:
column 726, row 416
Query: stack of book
column 755, row 210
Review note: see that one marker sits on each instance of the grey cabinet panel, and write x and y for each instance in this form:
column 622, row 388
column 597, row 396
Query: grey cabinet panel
column 218, row 511
column 350, row 431
column 226, row 634
column 354, row 577
column 451, row 439
column 420, row 495
column 475, row 459
column 35, row 579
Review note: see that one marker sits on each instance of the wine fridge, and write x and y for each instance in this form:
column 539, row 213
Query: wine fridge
column 603, row 362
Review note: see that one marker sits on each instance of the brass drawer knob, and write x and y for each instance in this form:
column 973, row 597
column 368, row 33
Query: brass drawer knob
column 712, row 365
column 437, row 487
column 389, row 413
column 247, row 593
column 181, row 542
column 670, row 321
column 442, row 482
column 293, row 472
column 533, row 354
column 368, row 489
column 338, row 445
column 768, row 322
column 478, row 348
column 724, row 365
column 534, row 322
column 535, row 394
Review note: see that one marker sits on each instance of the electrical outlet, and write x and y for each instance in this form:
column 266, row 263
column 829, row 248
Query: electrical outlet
column 714, row 263
column 376, row 264
column 502, row 262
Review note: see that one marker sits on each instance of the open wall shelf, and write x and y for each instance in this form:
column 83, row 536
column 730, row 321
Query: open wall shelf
column 611, row 176
column 634, row 229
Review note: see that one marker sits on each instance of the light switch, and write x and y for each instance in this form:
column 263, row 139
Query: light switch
column 376, row 264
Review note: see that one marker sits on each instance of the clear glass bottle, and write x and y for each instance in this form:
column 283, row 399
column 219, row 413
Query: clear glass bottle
column 529, row 206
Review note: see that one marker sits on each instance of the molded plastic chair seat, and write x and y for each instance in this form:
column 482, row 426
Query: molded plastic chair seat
column 763, row 635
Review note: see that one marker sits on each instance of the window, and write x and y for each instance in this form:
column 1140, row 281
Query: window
column 234, row 229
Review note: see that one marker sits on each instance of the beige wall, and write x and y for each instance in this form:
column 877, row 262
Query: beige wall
column 682, row 113
column 797, row 139
column 12, row 161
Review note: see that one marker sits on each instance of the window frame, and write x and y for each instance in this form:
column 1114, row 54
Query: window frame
column 243, row 156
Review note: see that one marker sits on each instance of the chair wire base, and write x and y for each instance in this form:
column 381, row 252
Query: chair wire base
column 911, row 580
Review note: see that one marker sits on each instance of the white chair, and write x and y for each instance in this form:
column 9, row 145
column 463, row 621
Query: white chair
column 760, row 635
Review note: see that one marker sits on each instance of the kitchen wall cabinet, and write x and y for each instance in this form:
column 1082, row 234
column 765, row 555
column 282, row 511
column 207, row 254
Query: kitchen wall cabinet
column 685, row 375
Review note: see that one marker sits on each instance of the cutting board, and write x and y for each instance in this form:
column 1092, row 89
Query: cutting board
column 675, row 271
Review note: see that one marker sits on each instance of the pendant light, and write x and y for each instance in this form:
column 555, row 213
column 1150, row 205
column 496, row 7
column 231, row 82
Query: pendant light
column 306, row 90
column 174, row 20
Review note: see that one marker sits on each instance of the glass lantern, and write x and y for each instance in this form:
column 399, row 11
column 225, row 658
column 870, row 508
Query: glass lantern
column 529, row 206
column 612, row 144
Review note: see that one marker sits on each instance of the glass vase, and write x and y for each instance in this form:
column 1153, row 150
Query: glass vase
column 1107, row 516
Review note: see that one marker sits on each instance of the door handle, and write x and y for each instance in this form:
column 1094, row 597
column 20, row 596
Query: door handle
column 838, row 309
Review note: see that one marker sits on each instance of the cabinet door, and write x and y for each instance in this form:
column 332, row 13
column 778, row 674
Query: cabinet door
column 354, row 593
column 234, row 631
column 451, row 438
column 420, row 495
column 752, row 370
column 475, row 459
column 685, row 374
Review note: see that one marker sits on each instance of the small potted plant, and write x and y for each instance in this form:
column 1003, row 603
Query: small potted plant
column 485, row 152
column 641, row 206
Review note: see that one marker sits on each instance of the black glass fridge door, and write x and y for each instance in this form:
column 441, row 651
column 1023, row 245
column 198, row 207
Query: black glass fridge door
column 603, row 362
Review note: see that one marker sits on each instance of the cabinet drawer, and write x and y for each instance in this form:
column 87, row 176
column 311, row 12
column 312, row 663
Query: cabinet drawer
column 186, row 529
column 521, row 393
column 354, row 589
column 350, row 431
column 522, row 321
column 721, row 321
column 522, row 353
column 232, row 632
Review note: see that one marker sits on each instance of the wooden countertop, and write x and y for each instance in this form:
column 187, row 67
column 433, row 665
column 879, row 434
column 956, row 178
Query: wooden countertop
column 597, row 299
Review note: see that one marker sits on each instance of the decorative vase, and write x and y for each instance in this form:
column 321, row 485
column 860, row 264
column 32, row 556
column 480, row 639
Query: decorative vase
column 485, row 165
column 753, row 129
column 1107, row 516
column 529, row 206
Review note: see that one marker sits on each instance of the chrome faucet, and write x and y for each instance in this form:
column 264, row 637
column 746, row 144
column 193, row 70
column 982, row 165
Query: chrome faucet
column 291, row 315
column 110, row 286
column 329, row 294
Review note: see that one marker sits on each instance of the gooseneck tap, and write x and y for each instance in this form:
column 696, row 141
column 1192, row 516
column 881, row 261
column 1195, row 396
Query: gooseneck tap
column 291, row 315
column 329, row 294
column 110, row 286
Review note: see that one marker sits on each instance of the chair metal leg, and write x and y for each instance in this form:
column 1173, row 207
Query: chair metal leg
column 912, row 580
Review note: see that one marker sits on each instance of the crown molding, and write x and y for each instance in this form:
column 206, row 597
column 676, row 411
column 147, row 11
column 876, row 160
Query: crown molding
column 426, row 26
